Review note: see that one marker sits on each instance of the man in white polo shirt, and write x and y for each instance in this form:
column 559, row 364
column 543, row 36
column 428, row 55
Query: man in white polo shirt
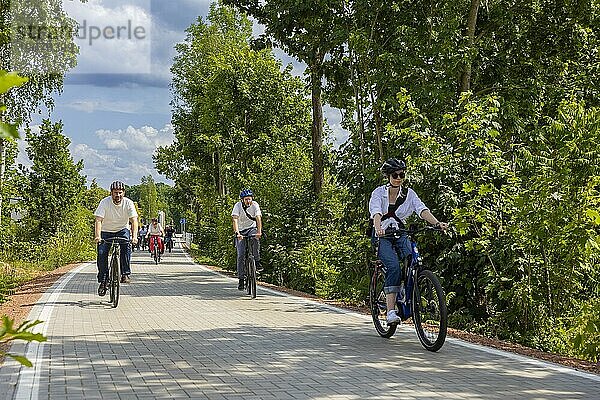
column 247, row 221
column 113, row 215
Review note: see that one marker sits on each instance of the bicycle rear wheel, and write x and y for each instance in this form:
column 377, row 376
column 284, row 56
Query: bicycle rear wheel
column 115, row 280
column 378, row 305
column 430, row 314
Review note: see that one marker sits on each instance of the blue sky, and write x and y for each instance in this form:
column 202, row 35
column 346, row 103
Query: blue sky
column 115, row 103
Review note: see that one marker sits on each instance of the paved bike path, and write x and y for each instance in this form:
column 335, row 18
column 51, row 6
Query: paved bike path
column 184, row 332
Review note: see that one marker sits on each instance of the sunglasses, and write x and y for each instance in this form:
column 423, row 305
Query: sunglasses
column 398, row 175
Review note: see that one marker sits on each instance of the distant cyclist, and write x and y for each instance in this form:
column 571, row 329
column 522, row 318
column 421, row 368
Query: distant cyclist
column 142, row 237
column 389, row 207
column 113, row 216
column 155, row 230
column 247, row 221
column 169, row 233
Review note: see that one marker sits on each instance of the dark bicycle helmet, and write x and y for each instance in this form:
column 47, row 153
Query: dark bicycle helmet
column 117, row 185
column 392, row 165
column 246, row 193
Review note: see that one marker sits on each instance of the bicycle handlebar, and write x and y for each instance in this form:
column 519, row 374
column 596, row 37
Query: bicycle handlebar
column 115, row 239
column 395, row 233
column 245, row 236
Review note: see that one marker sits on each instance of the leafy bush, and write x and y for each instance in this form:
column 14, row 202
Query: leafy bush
column 584, row 335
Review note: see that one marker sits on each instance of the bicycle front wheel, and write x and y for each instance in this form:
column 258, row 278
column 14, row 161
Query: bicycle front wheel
column 430, row 314
column 252, row 278
column 378, row 304
column 115, row 281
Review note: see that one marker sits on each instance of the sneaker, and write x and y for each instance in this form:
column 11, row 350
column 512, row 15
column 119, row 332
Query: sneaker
column 102, row 289
column 392, row 318
column 241, row 284
column 125, row 279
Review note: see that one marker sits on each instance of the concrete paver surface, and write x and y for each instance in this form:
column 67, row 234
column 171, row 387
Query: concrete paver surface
column 184, row 332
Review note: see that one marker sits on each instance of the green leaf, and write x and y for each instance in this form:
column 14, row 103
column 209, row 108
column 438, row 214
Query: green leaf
column 28, row 336
column 8, row 131
column 594, row 215
column 23, row 360
column 9, row 80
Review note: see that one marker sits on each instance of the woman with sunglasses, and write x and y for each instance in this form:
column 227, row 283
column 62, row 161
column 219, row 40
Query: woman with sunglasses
column 389, row 207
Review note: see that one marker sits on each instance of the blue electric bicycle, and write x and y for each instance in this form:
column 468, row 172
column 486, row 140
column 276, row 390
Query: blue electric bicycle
column 423, row 299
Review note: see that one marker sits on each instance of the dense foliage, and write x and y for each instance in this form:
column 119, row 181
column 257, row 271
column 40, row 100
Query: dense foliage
column 494, row 105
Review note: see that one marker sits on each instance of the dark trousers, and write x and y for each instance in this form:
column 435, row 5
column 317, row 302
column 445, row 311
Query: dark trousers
column 103, row 249
column 241, row 250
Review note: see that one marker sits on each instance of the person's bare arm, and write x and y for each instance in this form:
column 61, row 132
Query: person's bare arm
column 134, row 229
column 236, row 228
column 428, row 216
column 98, row 229
column 377, row 225
column 258, row 226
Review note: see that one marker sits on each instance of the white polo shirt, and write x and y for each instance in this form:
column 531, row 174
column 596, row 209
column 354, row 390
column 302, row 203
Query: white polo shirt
column 244, row 222
column 115, row 217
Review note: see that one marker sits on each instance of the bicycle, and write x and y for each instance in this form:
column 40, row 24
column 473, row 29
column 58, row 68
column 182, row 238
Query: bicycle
column 424, row 301
column 113, row 281
column 142, row 242
column 169, row 243
column 155, row 249
column 249, row 266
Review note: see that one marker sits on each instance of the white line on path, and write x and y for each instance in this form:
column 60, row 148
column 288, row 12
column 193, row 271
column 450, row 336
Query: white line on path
column 456, row 341
column 29, row 378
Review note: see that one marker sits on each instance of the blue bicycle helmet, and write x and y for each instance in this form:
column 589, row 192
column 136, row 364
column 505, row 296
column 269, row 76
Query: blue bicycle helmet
column 246, row 193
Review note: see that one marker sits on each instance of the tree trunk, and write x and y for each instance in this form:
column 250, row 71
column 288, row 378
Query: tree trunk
column 2, row 168
column 359, row 110
column 220, row 180
column 317, row 129
column 465, row 79
column 378, row 126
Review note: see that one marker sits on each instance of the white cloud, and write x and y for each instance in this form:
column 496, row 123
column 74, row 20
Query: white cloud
column 112, row 37
column 116, row 144
column 90, row 106
column 333, row 117
column 124, row 154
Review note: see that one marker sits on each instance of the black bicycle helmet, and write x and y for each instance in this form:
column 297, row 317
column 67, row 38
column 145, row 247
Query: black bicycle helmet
column 392, row 165
column 117, row 185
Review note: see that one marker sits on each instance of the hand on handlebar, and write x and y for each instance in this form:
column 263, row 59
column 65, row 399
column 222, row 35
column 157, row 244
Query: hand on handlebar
column 442, row 225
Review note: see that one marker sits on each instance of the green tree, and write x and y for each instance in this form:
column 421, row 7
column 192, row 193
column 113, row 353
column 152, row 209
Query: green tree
column 240, row 121
column 148, row 197
column 7, row 131
column 54, row 185
column 93, row 195
column 42, row 61
column 308, row 30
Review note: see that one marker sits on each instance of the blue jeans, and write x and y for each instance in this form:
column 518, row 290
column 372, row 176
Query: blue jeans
column 241, row 251
column 103, row 249
column 391, row 253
